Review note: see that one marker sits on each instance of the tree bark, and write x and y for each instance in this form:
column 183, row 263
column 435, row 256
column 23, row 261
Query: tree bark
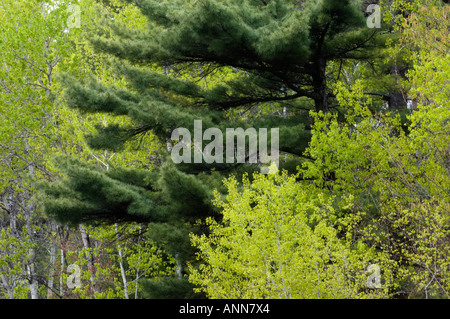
column 63, row 238
column 122, row 270
column 320, row 86
column 29, row 212
column 52, row 264
column 179, row 268
column 90, row 257
column 7, row 287
column 31, row 267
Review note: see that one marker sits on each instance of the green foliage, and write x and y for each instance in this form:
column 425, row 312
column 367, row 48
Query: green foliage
column 37, row 46
column 98, row 192
column 282, row 239
column 378, row 193
column 14, row 258
column 120, row 254
column 87, row 114
column 401, row 179
column 210, row 60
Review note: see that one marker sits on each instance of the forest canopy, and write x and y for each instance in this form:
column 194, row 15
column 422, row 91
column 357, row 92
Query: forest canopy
column 224, row 149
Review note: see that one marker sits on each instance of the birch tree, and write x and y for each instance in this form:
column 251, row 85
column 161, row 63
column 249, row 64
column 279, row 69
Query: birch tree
column 30, row 54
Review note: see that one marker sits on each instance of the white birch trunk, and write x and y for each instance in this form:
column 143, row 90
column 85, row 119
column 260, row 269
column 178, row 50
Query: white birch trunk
column 179, row 268
column 122, row 270
column 31, row 267
column 61, row 281
column 51, row 273
column 7, row 286
column 30, row 209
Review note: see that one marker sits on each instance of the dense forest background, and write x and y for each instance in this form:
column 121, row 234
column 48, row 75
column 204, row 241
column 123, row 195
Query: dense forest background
column 93, row 206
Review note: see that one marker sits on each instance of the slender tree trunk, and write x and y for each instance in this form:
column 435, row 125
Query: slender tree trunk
column 31, row 267
column 63, row 238
column 89, row 256
column 9, row 204
column 52, row 264
column 32, row 273
column 33, row 281
column 122, row 270
column 7, row 287
column 10, row 208
column 179, row 268
column 29, row 212
column 136, row 280
column 51, row 273
column 61, row 281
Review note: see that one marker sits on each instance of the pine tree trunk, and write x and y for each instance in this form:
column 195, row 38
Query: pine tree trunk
column 320, row 86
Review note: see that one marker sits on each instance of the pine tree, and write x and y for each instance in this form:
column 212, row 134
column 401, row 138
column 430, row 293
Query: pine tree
column 255, row 55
